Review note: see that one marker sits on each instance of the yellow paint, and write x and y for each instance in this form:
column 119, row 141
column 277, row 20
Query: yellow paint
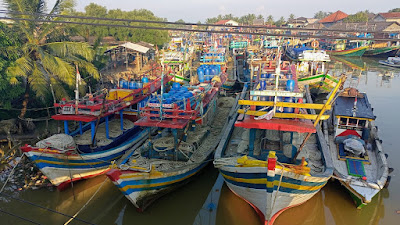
column 116, row 94
column 145, row 177
column 284, row 104
column 271, row 184
column 284, row 115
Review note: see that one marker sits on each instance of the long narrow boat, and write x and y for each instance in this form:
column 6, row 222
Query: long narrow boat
column 358, row 158
column 357, row 52
column 189, row 127
column 391, row 61
column 88, row 151
column 311, row 71
column 389, row 51
column 260, row 163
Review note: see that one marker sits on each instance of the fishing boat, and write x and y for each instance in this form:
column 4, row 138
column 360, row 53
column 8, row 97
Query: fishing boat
column 103, row 133
column 357, row 154
column 310, row 70
column 189, row 120
column 292, row 53
column 382, row 50
column 260, row 163
column 344, row 48
column 391, row 61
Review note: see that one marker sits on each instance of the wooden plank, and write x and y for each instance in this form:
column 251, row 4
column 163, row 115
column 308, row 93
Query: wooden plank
column 284, row 104
column 284, row 115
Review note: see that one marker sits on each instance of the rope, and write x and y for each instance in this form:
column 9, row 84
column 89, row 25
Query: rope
column 76, row 214
column 11, row 173
column 279, row 185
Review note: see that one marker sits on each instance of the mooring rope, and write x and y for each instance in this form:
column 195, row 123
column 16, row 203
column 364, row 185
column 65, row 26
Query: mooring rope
column 76, row 214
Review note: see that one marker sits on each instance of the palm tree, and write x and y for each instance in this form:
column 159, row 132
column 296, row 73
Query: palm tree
column 41, row 61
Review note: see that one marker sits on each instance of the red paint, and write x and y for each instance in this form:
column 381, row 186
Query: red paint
column 349, row 132
column 114, row 174
column 271, row 163
column 277, row 124
column 147, row 122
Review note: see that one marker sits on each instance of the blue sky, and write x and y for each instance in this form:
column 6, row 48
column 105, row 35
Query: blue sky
column 195, row 10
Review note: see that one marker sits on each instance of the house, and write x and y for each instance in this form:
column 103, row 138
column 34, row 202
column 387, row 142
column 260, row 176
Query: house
column 380, row 29
column 333, row 18
column 258, row 22
column 227, row 22
column 387, row 17
column 298, row 22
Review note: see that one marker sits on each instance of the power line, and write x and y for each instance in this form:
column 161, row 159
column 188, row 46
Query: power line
column 19, row 217
column 199, row 30
column 181, row 23
column 48, row 209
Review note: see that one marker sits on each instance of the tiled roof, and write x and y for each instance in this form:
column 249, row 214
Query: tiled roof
column 222, row 22
column 334, row 17
column 390, row 15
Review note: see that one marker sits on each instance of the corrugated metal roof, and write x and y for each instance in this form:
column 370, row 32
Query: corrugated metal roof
column 344, row 107
column 135, row 47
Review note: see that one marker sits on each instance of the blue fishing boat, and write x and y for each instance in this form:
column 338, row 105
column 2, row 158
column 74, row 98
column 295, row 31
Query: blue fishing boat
column 103, row 133
column 189, row 123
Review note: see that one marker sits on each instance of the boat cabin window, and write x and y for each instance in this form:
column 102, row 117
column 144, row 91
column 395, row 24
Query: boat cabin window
column 362, row 123
column 343, row 121
column 352, row 123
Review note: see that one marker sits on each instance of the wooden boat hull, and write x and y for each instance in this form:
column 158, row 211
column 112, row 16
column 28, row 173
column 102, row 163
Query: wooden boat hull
column 144, row 188
column 382, row 52
column 267, row 193
column 322, row 82
column 356, row 52
column 63, row 168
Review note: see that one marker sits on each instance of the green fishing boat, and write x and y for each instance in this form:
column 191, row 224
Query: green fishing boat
column 383, row 52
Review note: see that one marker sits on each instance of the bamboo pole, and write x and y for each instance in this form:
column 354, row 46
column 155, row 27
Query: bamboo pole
column 328, row 102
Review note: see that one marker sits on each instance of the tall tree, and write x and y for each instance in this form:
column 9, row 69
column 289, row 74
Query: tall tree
column 280, row 22
column 40, row 61
column 361, row 16
column 321, row 15
column 270, row 20
column 291, row 16
column 395, row 10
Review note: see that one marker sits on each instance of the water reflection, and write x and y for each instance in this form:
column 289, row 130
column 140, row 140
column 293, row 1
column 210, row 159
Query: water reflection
column 332, row 206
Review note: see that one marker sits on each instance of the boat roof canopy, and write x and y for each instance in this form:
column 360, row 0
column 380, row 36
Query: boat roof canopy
column 344, row 107
column 277, row 124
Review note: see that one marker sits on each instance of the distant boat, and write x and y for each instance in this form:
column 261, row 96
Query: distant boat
column 293, row 53
column 357, row 153
column 383, row 51
column 358, row 52
column 391, row 61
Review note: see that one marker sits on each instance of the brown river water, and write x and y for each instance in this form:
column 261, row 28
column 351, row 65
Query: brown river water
column 331, row 206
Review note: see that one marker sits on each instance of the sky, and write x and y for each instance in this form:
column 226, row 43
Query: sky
column 199, row 10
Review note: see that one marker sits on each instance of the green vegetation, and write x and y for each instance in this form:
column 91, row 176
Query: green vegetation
column 361, row 16
column 158, row 37
column 320, row 15
column 395, row 10
column 42, row 61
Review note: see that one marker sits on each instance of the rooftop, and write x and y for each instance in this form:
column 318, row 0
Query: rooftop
column 364, row 26
column 390, row 15
column 334, row 17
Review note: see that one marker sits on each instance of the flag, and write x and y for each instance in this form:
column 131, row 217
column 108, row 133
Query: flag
column 78, row 76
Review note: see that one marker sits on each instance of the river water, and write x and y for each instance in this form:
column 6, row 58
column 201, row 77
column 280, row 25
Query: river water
column 331, row 206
